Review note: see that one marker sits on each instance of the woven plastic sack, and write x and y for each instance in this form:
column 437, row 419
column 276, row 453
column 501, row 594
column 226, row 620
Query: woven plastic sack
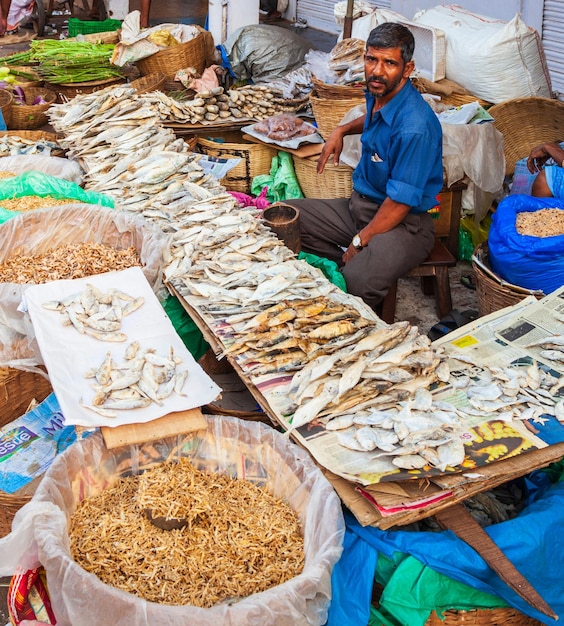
column 492, row 59
column 37, row 232
column 535, row 263
column 84, row 469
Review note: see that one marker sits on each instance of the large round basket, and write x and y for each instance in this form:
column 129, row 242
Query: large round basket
column 17, row 389
column 6, row 105
column 526, row 123
column 337, row 92
column 168, row 61
column 67, row 91
column 255, row 158
column 32, row 116
column 334, row 182
column 328, row 112
column 459, row 99
column 482, row 617
column 151, row 82
column 493, row 292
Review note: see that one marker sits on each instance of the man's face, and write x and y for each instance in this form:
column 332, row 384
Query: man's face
column 385, row 71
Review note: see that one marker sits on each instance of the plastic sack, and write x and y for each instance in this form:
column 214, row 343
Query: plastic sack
column 281, row 182
column 329, row 269
column 535, row 263
column 37, row 232
column 492, row 59
column 38, row 184
column 86, row 468
column 54, row 166
column 186, row 328
column 263, row 52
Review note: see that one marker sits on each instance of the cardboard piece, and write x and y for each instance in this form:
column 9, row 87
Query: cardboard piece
column 177, row 423
column 305, row 151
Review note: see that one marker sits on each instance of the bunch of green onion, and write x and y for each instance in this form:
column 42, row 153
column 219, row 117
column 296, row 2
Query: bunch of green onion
column 68, row 61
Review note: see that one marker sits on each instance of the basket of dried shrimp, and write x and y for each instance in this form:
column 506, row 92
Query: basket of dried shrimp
column 334, row 182
column 29, row 116
column 18, row 388
column 247, row 492
column 328, row 112
column 492, row 291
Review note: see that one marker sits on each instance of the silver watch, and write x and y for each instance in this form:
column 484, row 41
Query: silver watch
column 356, row 242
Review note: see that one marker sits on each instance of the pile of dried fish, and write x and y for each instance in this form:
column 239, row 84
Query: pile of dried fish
column 12, row 145
column 96, row 313
column 380, row 369
column 66, row 262
column 240, row 541
column 144, row 377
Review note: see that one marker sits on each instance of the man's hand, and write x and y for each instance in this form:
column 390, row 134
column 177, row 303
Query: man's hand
column 537, row 158
column 333, row 146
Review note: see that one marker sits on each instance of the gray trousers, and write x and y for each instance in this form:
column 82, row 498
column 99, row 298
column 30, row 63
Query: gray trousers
column 328, row 226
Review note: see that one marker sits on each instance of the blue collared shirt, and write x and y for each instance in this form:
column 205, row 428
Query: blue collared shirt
column 401, row 152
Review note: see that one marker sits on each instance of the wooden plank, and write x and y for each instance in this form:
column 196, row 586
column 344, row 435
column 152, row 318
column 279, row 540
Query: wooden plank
column 459, row 521
column 177, row 423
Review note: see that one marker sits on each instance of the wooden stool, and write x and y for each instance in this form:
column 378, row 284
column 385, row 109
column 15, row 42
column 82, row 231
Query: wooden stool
column 434, row 270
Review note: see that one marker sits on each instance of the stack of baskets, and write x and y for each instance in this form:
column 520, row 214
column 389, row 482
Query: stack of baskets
column 255, row 158
column 334, row 182
column 30, row 116
column 330, row 103
column 493, row 292
column 18, row 389
column 192, row 53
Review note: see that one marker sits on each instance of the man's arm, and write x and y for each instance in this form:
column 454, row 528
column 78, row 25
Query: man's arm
column 389, row 215
column 540, row 154
column 334, row 145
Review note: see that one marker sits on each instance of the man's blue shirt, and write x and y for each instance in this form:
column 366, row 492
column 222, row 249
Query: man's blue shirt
column 401, row 152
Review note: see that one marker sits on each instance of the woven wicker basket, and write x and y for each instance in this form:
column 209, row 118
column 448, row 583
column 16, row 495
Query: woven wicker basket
column 334, row 182
column 458, row 99
column 151, row 82
column 526, row 123
column 483, row 617
column 67, row 91
column 168, row 61
column 17, row 389
column 255, row 158
column 328, row 113
column 493, row 292
column 6, row 105
column 336, row 92
column 32, row 116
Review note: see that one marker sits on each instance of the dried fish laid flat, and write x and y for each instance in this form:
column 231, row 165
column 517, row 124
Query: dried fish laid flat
column 239, row 539
column 142, row 378
column 67, row 261
column 96, row 313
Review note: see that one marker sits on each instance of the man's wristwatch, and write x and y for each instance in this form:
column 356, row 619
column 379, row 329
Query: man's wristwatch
column 356, row 242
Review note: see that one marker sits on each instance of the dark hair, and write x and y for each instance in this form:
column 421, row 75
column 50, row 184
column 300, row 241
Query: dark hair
column 392, row 35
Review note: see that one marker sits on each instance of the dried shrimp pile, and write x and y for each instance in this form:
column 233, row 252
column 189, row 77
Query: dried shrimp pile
column 7, row 174
column 543, row 223
column 240, row 540
column 31, row 203
column 66, row 262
